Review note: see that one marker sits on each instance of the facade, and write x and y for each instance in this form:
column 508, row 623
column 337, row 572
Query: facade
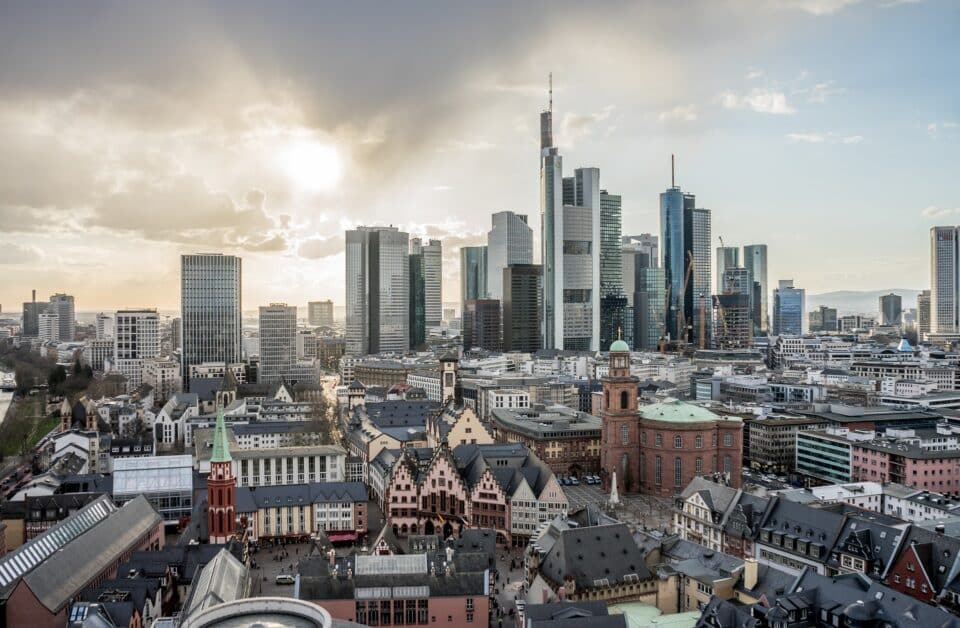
column 98, row 353
column 64, row 306
column 551, row 232
column 568, row 441
column 823, row 319
column 432, row 252
column 923, row 314
column 418, row 301
column 210, row 298
column 578, row 322
column 788, row 309
column 509, row 241
column 473, row 273
column 265, row 466
column 104, row 326
column 320, row 313
column 521, row 307
column 165, row 481
column 773, row 441
column 674, row 204
column 481, row 324
column 891, row 310
column 136, row 339
column 734, row 321
column 613, row 300
column 299, row 511
column 944, row 280
column 278, row 342
column 649, row 308
column 377, row 290
column 163, row 374
column 618, row 427
column 697, row 301
column 755, row 260
column 48, row 327
column 30, row 324
column 727, row 257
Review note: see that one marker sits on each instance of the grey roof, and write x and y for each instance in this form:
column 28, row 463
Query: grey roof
column 553, row 422
column 814, row 526
column 726, row 614
column 873, row 541
column 401, row 413
column 250, row 498
column 939, row 554
column 717, row 496
column 223, row 579
column 572, row 615
column 63, row 575
column 771, row 582
column 594, row 553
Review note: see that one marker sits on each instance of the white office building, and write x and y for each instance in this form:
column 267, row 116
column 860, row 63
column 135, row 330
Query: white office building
column 136, row 339
column 104, row 324
column 510, row 241
column 48, row 327
column 278, row 342
column 210, row 294
column 944, row 278
column 64, row 306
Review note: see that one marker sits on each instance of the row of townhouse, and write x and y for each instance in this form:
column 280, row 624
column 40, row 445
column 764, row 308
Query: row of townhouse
column 828, row 538
column 442, row 490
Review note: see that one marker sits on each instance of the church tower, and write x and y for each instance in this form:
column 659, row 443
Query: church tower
column 619, row 423
column 221, row 487
column 449, row 365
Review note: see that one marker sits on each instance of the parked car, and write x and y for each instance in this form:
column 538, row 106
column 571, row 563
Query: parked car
column 575, row 481
column 285, row 578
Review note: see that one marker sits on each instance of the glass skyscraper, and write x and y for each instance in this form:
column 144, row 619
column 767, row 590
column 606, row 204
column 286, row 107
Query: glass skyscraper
column 278, row 342
column 522, row 290
column 727, row 257
column 509, row 241
column 210, row 298
column 432, row 277
column 551, row 233
column 64, row 306
column 613, row 301
column 674, row 205
column 944, row 280
column 755, row 261
column 788, row 309
column 473, row 273
column 697, row 299
column 418, row 300
column 377, row 290
column 649, row 307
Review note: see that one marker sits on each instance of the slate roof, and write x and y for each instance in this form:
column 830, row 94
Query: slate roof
column 572, row 615
column 818, row 527
column 594, row 553
column 717, row 496
column 401, row 413
column 940, row 555
column 252, row 498
column 870, row 540
column 223, row 579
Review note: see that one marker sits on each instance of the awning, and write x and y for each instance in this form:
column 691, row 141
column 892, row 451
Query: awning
column 341, row 536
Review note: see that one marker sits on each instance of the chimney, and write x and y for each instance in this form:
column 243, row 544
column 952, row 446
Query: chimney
column 940, row 529
column 750, row 573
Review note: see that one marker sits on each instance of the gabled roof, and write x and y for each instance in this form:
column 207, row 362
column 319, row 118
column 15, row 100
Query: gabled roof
column 594, row 553
column 717, row 496
column 939, row 554
column 223, row 579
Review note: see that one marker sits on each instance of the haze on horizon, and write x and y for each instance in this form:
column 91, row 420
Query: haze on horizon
column 132, row 133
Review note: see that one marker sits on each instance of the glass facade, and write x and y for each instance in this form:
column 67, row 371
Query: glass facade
column 788, row 309
column 278, row 342
column 649, row 308
column 377, row 290
column 432, row 253
column 522, row 290
column 210, row 298
column 755, row 261
column 510, row 241
column 418, row 317
column 674, row 204
column 613, row 301
column 822, row 457
column 697, row 298
column 727, row 257
column 473, row 273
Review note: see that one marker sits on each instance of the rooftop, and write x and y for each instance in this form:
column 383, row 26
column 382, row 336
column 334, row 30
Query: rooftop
column 676, row 411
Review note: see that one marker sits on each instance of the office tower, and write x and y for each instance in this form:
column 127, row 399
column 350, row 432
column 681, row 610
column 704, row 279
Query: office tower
column 31, row 317
column 473, row 273
column 649, row 307
column 433, row 277
column 675, row 206
column 377, row 290
column 418, row 301
column 481, row 324
column 176, row 334
column 734, row 321
column 891, row 310
column 48, row 326
column 210, row 297
column 551, row 231
column 755, row 260
column 788, row 309
column 104, row 325
column 923, row 315
column 65, row 308
column 643, row 243
column 320, row 313
column 613, row 300
column 510, row 241
column 944, row 278
column 278, row 342
column 736, row 280
column 823, row 319
column 697, row 301
column 727, row 257
column 136, row 338
column 522, row 292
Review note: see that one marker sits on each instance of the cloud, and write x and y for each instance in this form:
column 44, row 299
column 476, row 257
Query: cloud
column 575, row 126
column 821, row 91
column 679, row 113
column 754, row 74
column 759, row 99
column 935, row 129
column 823, row 138
column 815, row 7
column 13, row 254
column 318, row 248
column 933, row 211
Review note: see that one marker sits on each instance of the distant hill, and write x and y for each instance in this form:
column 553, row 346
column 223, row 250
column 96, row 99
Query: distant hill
column 859, row 301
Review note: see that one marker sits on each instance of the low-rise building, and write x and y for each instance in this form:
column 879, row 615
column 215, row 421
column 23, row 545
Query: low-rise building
column 564, row 438
column 773, row 441
column 298, row 511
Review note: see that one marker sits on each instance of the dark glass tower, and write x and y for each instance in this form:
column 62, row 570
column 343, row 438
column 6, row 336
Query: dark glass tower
column 418, row 298
column 522, row 287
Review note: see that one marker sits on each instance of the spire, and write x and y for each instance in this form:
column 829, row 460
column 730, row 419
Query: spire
column 221, row 446
column 550, row 80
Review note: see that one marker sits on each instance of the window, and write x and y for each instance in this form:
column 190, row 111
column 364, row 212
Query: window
column 624, row 400
column 643, row 438
column 699, row 466
column 678, row 442
column 728, row 440
column 727, row 464
column 658, row 440
column 698, row 442
column 625, row 434
column 657, row 470
column 677, row 471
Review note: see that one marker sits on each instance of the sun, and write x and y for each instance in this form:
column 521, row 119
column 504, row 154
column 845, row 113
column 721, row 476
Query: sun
column 310, row 165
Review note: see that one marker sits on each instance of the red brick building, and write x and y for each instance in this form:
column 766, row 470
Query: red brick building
column 661, row 448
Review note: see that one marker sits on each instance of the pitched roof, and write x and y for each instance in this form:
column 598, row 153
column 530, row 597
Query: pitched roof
column 717, row 496
column 223, row 579
column 594, row 553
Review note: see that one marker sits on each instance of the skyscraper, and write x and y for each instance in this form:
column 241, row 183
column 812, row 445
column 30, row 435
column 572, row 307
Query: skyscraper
column 31, row 317
column 481, row 324
column 891, row 310
column 522, row 290
column 433, row 278
column 551, row 231
column 65, row 308
column 649, row 307
column 944, row 278
column 727, row 257
column 643, row 243
column 104, row 325
column 697, row 301
column 923, row 315
column 788, row 309
column 136, row 338
column 823, row 319
column 509, row 241
column 755, row 260
column 377, row 290
column 320, row 313
column 418, row 301
column 613, row 300
column 210, row 298
column 473, row 273
column 278, row 342
column 674, row 207
column 734, row 325
column 579, row 317
column 48, row 326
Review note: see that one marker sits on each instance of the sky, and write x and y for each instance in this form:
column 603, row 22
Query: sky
column 133, row 132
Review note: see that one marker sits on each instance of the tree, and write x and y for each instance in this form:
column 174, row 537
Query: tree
column 76, row 366
column 56, row 378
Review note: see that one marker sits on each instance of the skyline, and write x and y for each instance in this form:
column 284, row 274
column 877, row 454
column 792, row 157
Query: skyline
column 197, row 134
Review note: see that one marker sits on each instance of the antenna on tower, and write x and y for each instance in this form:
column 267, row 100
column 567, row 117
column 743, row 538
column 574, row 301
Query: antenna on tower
column 673, row 183
column 551, row 91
